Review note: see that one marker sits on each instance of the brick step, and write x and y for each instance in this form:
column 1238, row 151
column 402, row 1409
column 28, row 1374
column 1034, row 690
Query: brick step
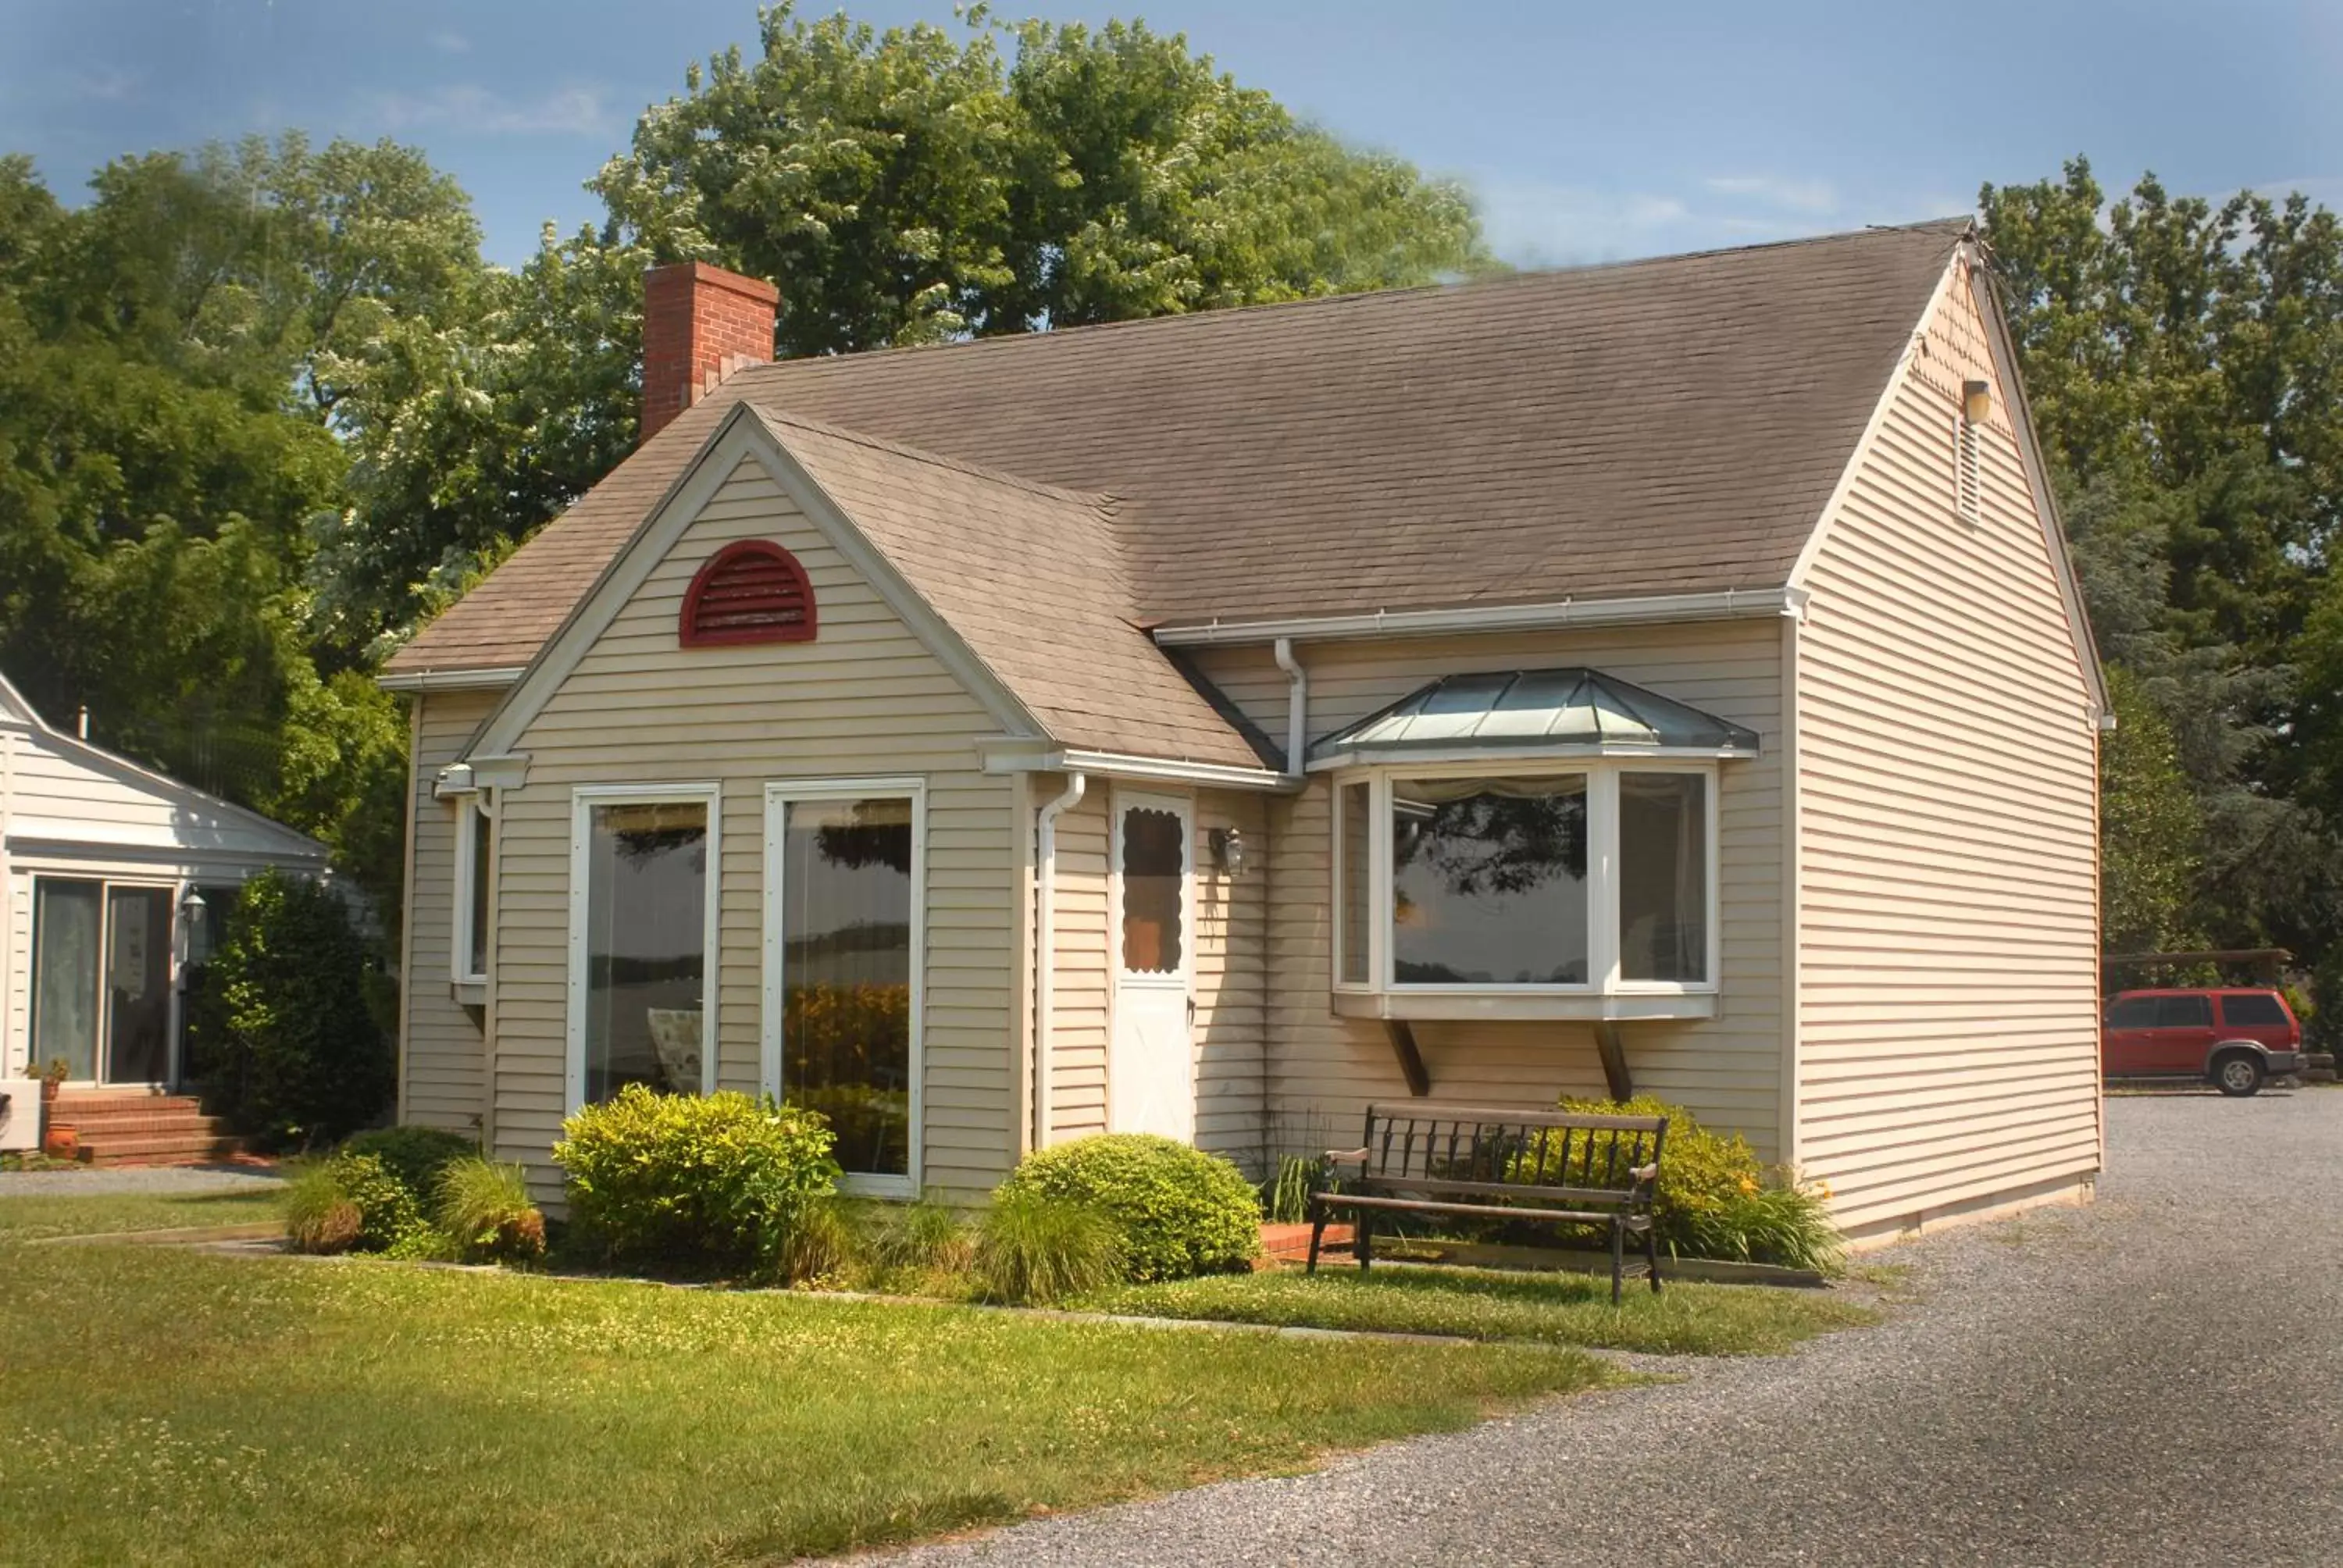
column 161, row 1149
column 126, row 1124
column 100, row 1102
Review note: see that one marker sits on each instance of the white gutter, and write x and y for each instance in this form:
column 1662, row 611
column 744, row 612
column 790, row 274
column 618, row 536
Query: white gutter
column 1021, row 754
column 1045, row 953
column 1297, row 706
column 495, row 679
column 1732, row 604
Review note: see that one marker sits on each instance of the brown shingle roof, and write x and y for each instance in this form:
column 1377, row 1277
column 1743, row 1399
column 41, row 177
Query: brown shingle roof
column 1030, row 576
column 1665, row 426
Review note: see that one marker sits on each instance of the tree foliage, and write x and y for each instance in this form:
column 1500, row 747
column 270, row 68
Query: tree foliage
column 2185, row 363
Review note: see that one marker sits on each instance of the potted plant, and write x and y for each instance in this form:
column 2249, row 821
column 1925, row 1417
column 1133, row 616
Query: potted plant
column 57, row 1143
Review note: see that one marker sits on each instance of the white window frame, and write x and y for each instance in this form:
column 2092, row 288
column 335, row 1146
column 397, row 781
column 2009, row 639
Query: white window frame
column 583, row 798
column 1606, row 993
column 471, row 821
column 779, row 794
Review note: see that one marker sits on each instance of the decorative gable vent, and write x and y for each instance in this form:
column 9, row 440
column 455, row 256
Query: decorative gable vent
column 1968, row 482
column 752, row 592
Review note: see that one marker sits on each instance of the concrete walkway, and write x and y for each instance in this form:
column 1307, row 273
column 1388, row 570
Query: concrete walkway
column 113, row 1180
column 2157, row 1378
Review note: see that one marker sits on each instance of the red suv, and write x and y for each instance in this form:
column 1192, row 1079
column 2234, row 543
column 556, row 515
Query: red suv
column 2231, row 1039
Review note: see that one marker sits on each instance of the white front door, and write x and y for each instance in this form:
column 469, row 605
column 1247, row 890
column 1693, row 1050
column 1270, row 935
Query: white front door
column 1150, row 1070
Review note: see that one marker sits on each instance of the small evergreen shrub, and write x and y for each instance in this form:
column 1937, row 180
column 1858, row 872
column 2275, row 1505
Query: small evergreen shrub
column 484, row 1210
column 319, row 1217
column 416, row 1155
column 700, row 1183
column 1182, row 1211
column 295, row 1053
column 387, row 1209
column 1033, row 1250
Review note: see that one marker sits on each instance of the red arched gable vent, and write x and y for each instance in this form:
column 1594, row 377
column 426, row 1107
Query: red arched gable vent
column 752, row 592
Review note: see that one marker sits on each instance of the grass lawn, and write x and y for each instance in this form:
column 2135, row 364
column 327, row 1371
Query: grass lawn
column 1687, row 1319
column 23, row 1218
column 162, row 1406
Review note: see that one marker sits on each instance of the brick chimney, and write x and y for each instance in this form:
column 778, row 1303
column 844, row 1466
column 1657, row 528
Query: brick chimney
column 700, row 323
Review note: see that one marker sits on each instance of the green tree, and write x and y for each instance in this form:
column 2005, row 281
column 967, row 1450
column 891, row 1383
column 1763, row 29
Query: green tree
column 2185, row 363
column 2149, row 825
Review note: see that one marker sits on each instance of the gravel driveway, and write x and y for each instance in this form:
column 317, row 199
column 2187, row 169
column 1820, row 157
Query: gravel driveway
column 2157, row 1378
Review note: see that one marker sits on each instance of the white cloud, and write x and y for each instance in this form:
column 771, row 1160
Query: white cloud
column 106, row 84
column 572, row 111
column 1536, row 222
column 1816, row 198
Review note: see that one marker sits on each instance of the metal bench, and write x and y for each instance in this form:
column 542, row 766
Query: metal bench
column 1547, row 1167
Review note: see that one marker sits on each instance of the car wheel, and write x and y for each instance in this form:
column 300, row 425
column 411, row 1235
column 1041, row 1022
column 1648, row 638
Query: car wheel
column 2238, row 1075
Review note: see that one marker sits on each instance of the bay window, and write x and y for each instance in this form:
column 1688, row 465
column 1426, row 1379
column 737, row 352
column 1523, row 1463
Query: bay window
column 1586, row 890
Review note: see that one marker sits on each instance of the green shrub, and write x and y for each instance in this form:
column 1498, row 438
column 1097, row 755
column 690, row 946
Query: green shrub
column 416, row 1155
column 1717, row 1200
column 922, row 1237
column 318, row 1215
column 295, row 1053
column 387, row 1207
column 706, row 1184
column 485, row 1211
column 1033, row 1250
column 1182, row 1211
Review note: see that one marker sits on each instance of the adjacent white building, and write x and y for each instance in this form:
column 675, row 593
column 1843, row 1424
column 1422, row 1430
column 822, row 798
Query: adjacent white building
column 110, row 871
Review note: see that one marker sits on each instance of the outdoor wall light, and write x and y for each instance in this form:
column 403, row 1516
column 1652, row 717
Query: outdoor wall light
column 1977, row 401
column 199, row 935
column 1229, row 850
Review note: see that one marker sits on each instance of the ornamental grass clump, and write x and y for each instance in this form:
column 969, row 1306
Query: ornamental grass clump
column 1716, row 1199
column 693, row 1185
column 319, row 1217
column 1033, row 1250
column 921, row 1238
column 350, row 1203
column 1181, row 1212
column 484, row 1210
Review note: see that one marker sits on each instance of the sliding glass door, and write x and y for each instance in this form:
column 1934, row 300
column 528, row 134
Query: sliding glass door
column 101, row 979
column 68, row 926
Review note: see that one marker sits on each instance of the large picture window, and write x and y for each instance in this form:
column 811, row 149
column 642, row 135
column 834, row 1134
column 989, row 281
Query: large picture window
column 1597, row 880
column 843, row 945
column 642, row 927
column 1489, row 881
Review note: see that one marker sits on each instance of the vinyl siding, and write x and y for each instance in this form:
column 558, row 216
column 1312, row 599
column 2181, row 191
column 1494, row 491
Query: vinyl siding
column 1082, row 1000
column 442, row 1051
column 1947, row 909
column 1322, row 1069
column 865, row 700
column 1231, row 980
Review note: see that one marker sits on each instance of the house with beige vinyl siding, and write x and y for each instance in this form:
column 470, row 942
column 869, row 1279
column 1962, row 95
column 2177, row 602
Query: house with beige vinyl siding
column 1663, row 677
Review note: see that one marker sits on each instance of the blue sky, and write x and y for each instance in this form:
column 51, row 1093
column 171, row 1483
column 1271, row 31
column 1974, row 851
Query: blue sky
column 1587, row 132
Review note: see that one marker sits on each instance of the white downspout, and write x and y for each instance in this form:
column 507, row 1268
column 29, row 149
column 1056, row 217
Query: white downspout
column 1045, row 951
column 1297, row 706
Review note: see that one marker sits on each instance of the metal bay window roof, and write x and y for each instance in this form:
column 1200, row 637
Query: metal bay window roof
column 1572, row 711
